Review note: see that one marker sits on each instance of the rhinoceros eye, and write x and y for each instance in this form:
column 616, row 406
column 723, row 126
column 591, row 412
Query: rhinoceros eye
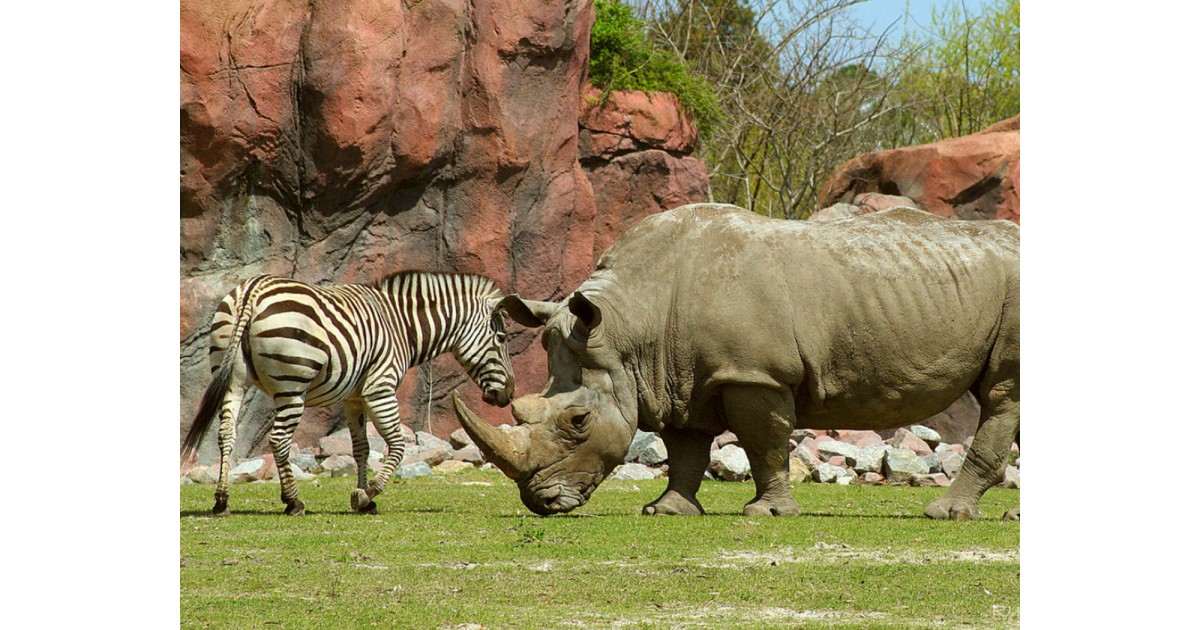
column 579, row 421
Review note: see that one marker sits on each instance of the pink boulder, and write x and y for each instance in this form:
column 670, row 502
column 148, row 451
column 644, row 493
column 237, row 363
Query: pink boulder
column 972, row 177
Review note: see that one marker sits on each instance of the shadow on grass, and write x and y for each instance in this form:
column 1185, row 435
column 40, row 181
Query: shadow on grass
column 235, row 513
column 527, row 517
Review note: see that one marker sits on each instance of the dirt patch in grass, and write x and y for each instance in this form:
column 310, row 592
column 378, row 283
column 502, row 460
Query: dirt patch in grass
column 715, row 615
column 839, row 552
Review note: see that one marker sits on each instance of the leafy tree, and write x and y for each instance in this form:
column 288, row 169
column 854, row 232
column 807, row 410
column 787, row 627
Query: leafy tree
column 716, row 37
column 796, row 88
column 624, row 58
column 966, row 75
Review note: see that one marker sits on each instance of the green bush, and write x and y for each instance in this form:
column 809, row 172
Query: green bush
column 624, row 58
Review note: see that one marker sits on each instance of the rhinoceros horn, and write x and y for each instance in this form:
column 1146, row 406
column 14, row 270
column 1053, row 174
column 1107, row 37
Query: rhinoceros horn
column 508, row 450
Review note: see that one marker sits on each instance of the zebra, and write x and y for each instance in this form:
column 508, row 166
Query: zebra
column 306, row 345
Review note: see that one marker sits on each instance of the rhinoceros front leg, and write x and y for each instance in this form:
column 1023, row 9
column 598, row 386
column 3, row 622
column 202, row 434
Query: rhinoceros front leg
column 986, row 459
column 763, row 419
column 687, row 459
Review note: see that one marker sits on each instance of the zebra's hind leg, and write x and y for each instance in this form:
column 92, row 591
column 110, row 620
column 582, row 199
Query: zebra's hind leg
column 226, row 434
column 288, row 410
column 359, row 501
column 384, row 412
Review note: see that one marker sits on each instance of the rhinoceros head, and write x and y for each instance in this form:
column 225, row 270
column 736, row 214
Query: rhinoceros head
column 570, row 436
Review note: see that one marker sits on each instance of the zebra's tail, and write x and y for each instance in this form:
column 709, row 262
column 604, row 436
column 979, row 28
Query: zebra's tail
column 210, row 404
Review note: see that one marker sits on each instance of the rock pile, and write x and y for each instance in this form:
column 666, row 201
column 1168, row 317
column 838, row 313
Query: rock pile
column 424, row 454
column 914, row 456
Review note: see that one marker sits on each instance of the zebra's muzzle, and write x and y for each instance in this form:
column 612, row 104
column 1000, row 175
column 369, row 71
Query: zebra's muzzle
column 498, row 397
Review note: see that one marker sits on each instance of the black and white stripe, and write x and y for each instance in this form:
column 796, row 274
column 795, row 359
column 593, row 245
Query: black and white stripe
column 307, row 345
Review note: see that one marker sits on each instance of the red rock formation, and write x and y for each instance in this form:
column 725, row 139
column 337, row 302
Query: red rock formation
column 972, row 177
column 633, row 146
column 340, row 142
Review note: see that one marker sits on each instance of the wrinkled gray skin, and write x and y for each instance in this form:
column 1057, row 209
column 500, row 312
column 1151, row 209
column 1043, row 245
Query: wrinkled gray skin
column 709, row 317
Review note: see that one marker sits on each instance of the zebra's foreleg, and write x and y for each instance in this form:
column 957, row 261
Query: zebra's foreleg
column 226, row 435
column 288, row 410
column 384, row 411
column 359, row 501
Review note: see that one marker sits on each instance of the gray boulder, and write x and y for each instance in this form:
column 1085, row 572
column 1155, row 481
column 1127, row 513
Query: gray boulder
column 901, row 465
column 414, row 470
column 871, row 479
column 870, row 459
column 635, row 471
column 724, row 439
column 248, row 471
column 833, row 448
column 925, row 433
column 469, row 454
column 934, row 463
column 640, row 440
column 905, row 439
column 1012, row 478
column 798, row 472
column 646, row 448
column 427, row 448
column 806, row 455
column 828, row 473
column 303, row 460
column 300, row 474
column 205, row 474
column 339, row 466
column 339, row 442
column 730, row 463
column 459, row 439
column 939, row 480
column 429, row 440
column 951, row 457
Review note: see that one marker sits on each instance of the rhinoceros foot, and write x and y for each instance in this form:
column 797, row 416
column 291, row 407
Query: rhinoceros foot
column 672, row 502
column 1012, row 515
column 953, row 508
column 781, row 506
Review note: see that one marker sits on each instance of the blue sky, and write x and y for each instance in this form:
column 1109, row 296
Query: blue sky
column 877, row 15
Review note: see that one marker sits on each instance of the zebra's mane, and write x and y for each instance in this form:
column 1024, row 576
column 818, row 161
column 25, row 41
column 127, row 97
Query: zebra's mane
column 486, row 284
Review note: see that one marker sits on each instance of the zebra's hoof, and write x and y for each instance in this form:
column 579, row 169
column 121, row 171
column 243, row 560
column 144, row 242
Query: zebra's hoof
column 220, row 509
column 295, row 509
column 370, row 508
column 359, row 500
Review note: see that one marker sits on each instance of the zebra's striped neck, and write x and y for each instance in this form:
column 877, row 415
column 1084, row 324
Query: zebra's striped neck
column 435, row 309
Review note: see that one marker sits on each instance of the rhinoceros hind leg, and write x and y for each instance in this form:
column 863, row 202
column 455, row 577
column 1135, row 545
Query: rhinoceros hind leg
column 763, row 419
column 687, row 456
column 1000, row 422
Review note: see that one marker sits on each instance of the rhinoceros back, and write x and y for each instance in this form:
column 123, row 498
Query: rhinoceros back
column 877, row 320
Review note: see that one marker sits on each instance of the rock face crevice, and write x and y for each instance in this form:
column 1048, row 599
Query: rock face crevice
column 341, row 142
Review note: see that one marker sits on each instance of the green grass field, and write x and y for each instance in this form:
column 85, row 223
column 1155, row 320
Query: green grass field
column 451, row 550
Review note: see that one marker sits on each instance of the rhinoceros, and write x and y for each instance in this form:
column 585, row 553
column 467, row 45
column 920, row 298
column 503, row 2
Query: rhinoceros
column 709, row 318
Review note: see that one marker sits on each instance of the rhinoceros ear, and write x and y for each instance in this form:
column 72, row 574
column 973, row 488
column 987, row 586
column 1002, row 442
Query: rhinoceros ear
column 531, row 313
column 585, row 310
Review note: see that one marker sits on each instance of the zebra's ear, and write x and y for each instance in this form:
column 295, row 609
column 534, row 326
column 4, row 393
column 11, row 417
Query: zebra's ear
column 531, row 313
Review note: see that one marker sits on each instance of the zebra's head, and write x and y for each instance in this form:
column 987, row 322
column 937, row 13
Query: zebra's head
column 483, row 351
